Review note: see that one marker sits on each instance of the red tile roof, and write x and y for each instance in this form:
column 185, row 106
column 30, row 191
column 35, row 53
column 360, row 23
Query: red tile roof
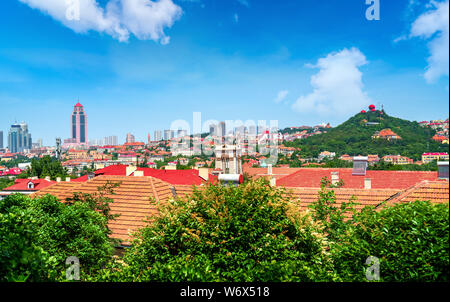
column 22, row 185
column 175, row 177
column 433, row 191
column 311, row 178
column 304, row 197
column 278, row 173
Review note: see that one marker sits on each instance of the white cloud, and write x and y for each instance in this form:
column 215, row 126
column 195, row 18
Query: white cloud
column 433, row 25
column 337, row 87
column 244, row 2
column 236, row 18
column 145, row 19
column 281, row 96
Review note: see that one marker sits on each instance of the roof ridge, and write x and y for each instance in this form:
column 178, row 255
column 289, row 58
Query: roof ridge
column 403, row 194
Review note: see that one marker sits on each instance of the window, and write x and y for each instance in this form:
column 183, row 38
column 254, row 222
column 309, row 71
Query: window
column 30, row 185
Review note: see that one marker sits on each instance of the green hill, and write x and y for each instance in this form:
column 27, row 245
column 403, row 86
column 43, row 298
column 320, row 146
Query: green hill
column 354, row 137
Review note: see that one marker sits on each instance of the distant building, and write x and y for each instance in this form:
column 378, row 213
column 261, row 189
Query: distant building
column 222, row 129
column 397, row 159
column 1, row 139
column 111, row 140
column 158, row 135
column 130, row 138
column 228, row 159
column 386, row 134
column 79, row 124
column 168, row 135
column 429, row 157
column 19, row 139
column 326, row 154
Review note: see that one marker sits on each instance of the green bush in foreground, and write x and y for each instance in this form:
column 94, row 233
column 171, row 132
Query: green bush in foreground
column 246, row 233
column 253, row 232
column 38, row 235
column 411, row 241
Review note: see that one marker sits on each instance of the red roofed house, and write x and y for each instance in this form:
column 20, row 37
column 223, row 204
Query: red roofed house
column 398, row 159
column 26, row 186
column 440, row 138
column 311, row 178
column 175, row 177
column 387, row 134
column 429, row 157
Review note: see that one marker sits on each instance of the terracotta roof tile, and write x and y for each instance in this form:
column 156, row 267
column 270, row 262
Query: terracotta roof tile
column 311, row 178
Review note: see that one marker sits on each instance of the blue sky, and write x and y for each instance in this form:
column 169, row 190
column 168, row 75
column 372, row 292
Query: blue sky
column 299, row 62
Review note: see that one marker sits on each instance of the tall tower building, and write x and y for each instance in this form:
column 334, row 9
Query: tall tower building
column 19, row 139
column 130, row 138
column 158, row 135
column 79, row 124
column 1, row 139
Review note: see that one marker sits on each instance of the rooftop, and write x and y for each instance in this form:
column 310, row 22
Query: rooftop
column 311, row 178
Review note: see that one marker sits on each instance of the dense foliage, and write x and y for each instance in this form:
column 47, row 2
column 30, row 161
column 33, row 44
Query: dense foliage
column 38, row 235
column 246, row 233
column 410, row 240
column 354, row 137
column 253, row 232
column 45, row 166
column 5, row 182
column 256, row 233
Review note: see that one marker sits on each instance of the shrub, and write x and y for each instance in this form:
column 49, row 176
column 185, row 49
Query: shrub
column 38, row 235
column 410, row 240
column 226, row 233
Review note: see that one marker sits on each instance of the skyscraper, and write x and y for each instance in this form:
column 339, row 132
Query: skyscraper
column 223, row 130
column 1, row 139
column 158, row 135
column 111, row 140
column 168, row 135
column 18, row 138
column 79, row 124
column 130, row 138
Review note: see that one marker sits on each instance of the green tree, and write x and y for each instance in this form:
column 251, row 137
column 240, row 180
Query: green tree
column 37, row 235
column 226, row 233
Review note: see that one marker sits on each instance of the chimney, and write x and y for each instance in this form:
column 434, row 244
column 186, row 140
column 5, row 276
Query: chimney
column 130, row 170
column 203, row 173
column 58, row 179
column 360, row 164
column 443, row 170
column 138, row 173
column 67, row 179
column 34, row 178
column 273, row 181
column 367, row 183
column 269, row 169
column 334, row 178
column 47, row 178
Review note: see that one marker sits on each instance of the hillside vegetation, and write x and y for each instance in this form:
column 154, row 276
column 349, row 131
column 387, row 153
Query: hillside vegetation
column 354, row 137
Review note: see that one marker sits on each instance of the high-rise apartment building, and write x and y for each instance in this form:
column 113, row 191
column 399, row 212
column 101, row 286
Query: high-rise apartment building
column 167, row 135
column 79, row 124
column 19, row 139
column 222, row 129
column 110, row 140
column 130, row 138
column 158, row 135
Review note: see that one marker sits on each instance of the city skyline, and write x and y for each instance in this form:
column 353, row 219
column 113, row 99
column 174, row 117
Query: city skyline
column 228, row 61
